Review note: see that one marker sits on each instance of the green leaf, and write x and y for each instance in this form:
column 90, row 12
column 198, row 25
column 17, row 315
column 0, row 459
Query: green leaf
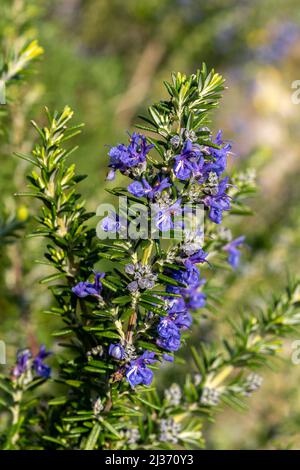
column 23, row 156
column 109, row 427
column 93, row 437
column 109, row 285
column 123, row 300
column 169, row 280
column 6, row 388
column 64, row 332
column 148, row 403
column 74, row 383
column 55, row 441
column 58, row 401
column 52, row 277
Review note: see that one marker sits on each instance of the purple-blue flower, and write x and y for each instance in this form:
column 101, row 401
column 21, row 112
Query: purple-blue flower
column 172, row 343
column 117, row 351
column 195, row 298
column 199, row 257
column 281, row 39
column 189, row 162
column 183, row 320
column 233, row 251
column 176, row 305
column 123, row 157
column 167, row 328
column 179, row 313
column 170, row 326
column 218, row 202
column 165, row 215
column 138, row 188
column 111, row 223
column 143, row 188
column 138, row 373
column 190, row 277
column 219, row 156
column 41, row 369
column 25, row 363
column 168, row 357
column 110, row 175
column 22, row 364
column 85, row 288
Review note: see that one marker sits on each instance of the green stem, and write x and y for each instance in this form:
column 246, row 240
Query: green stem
column 15, row 409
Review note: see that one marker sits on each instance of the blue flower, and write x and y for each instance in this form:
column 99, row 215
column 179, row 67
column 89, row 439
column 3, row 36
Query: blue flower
column 117, row 351
column 168, row 357
column 218, row 202
column 41, row 369
column 22, row 364
column 190, row 277
column 143, row 188
column 138, row 373
column 25, row 363
column 167, row 328
column 170, row 326
column 123, row 157
column 179, row 313
column 137, row 188
column 172, row 343
column 219, row 156
column 110, row 175
column 195, row 298
column 189, row 162
column 183, row 320
column 233, row 251
column 199, row 257
column 110, row 224
column 85, row 288
column 165, row 215
column 176, row 305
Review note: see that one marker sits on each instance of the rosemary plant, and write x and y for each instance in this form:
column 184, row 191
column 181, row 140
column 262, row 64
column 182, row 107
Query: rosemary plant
column 119, row 327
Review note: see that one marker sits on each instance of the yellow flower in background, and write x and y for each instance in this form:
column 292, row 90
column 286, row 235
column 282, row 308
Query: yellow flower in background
column 271, row 94
column 22, row 213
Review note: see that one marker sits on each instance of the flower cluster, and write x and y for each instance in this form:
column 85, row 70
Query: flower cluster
column 210, row 396
column 169, row 430
column 199, row 168
column 189, row 297
column 143, row 276
column 129, row 159
column 85, row 288
column 173, row 395
column 27, row 365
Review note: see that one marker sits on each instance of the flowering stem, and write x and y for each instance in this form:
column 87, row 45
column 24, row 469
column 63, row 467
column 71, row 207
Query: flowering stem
column 133, row 318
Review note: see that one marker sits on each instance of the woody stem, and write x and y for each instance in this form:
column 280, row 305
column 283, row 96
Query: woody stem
column 131, row 327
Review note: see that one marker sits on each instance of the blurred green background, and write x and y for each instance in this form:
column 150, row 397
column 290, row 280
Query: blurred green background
column 107, row 60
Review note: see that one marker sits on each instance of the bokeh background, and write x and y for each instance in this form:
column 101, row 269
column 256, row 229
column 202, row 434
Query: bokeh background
column 107, row 60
